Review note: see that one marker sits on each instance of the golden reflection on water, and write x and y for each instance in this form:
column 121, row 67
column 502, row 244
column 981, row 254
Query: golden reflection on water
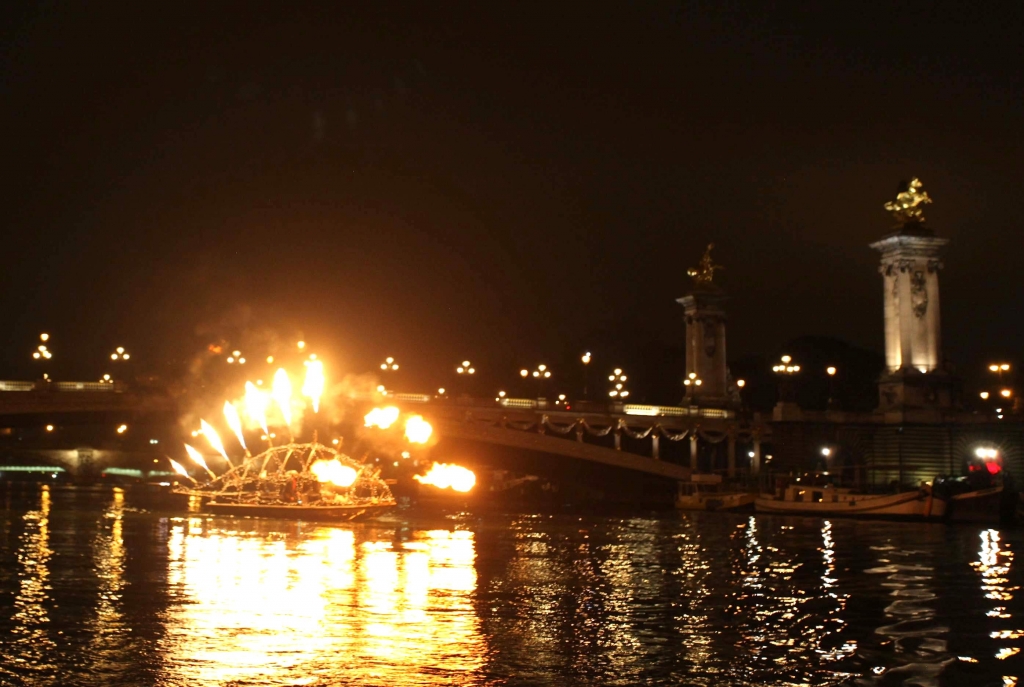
column 994, row 564
column 266, row 608
column 31, row 637
column 108, row 553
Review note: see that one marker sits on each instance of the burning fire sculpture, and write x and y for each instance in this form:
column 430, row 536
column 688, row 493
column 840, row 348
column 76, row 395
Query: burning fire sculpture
column 305, row 480
column 308, row 480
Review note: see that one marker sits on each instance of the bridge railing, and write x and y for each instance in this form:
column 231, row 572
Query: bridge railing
column 17, row 386
column 48, row 386
column 577, row 406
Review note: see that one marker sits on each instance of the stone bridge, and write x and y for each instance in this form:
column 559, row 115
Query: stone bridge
column 78, row 402
column 574, row 433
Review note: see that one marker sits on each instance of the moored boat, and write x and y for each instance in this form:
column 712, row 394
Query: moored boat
column 828, row 500
column 973, row 502
column 706, row 492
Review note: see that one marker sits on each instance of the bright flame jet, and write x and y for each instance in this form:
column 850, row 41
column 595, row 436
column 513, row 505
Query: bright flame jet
column 381, row 417
column 314, row 384
column 235, row 423
column 256, row 405
column 334, row 472
column 282, row 393
column 180, row 469
column 418, row 430
column 211, row 436
column 198, row 459
column 445, row 476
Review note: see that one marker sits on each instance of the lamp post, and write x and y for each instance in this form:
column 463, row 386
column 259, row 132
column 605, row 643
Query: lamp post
column 692, row 383
column 42, row 352
column 740, row 385
column 585, row 359
column 618, row 380
column 541, row 373
column 390, row 365
column 999, row 369
column 1004, row 393
column 465, row 371
column 831, row 372
column 786, row 369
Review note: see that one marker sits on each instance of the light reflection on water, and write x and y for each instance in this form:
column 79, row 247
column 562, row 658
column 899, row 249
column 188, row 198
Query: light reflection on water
column 93, row 592
column 260, row 610
column 30, row 632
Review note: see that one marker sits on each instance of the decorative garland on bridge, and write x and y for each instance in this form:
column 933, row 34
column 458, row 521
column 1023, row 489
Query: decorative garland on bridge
column 580, row 425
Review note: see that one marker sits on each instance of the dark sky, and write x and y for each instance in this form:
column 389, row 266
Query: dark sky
column 508, row 182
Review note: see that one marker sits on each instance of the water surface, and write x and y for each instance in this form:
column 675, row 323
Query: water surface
column 98, row 590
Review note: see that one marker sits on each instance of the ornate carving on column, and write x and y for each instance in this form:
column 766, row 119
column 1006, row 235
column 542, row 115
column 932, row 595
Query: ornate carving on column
column 918, row 294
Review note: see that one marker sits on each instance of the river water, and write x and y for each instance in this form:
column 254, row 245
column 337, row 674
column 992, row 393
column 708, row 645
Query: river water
column 97, row 591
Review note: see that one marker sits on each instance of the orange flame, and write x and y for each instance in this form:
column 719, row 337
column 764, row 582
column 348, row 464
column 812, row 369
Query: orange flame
column 256, row 405
column 234, row 422
column 179, row 468
column 198, row 459
column 211, row 436
column 282, row 393
column 444, row 476
column 334, row 472
column 418, row 430
column 313, row 387
column 381, row 417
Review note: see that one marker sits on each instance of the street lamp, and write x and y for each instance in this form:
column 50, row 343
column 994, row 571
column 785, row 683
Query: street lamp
column 831, row 372
column 618, row 380
column 540, row 374
column 786, row 369
column 998, row 369
column 42, row 352
column 692, row 381
column 389, row 364
column 465, row 370
column 585, row 359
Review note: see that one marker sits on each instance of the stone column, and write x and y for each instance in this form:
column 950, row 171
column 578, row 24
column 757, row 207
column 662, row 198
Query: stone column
column 705, row 348
column 755, row 462
column 910, row 267
column 655, row 446
column 914, row 381
column 693, row 451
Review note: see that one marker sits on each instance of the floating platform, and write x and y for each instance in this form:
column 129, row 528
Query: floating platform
column 296, row 511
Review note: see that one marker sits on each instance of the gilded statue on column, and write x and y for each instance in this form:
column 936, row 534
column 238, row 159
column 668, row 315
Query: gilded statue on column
column 704, row 272
column 907, row 208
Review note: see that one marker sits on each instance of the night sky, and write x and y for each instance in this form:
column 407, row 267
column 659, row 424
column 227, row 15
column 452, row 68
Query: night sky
column 510, row 183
